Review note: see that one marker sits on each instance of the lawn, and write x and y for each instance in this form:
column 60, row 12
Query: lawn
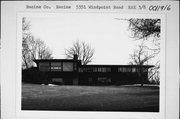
column 90, row 98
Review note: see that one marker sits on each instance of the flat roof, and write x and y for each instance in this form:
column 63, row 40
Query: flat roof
column 95, row 65
column 99, row 65
column 55, row 60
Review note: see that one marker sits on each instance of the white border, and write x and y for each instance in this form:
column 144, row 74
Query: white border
column 10, row 62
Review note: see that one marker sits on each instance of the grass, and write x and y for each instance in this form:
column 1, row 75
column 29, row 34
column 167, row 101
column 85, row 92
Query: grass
column 90, row 98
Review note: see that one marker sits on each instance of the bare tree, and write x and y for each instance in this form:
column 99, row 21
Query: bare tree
column 84, row 51
column 154, row 73
column 144, row 28
column 32, row 48
column 148, row 30
column 26, row 58
column 140, row 57
column 38, row 49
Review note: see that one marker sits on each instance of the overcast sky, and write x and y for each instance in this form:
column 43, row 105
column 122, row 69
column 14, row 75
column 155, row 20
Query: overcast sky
column 110, row 37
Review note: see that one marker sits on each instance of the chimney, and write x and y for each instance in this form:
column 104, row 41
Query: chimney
column 75, row 57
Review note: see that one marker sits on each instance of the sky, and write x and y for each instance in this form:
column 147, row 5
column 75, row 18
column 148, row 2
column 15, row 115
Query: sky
column 110, row 37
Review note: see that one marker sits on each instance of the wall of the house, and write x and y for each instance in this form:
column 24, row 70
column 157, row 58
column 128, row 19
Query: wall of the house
column 59, row 72
column 58, row 81
column 102, row 75
column 56, row 66
column 75, row 81
column 64, row 73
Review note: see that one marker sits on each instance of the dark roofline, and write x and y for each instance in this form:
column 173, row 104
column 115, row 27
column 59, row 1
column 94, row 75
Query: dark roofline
column 99, row 65
column 56, row 60
column 96, row 65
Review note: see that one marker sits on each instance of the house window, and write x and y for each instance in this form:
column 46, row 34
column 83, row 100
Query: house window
column 120, row 69
column 94, row 69
column 89, row 69
column 108, row 69
column 100, row 69
column 128, row 70
column 104, row 80
column 68, row 66
column 124, row 69
column 144, row 69
column 56, row 66
column 133, row 69
column 81, row 69
column 44, row 66
column 104, row 69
